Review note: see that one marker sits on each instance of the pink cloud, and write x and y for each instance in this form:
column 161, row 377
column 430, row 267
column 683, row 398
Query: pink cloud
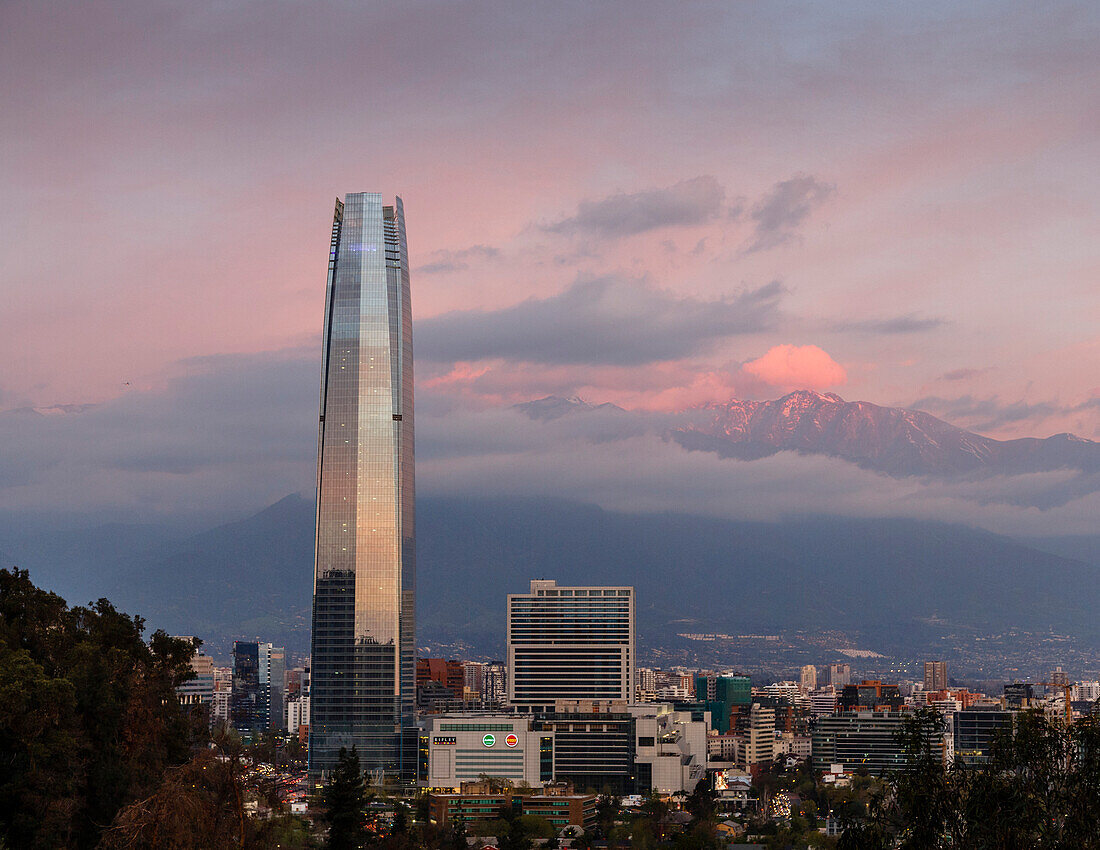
column 797, row 367
column 667, row 386
column 461, row 373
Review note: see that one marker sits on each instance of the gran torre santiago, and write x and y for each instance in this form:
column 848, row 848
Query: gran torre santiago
column 363, row 665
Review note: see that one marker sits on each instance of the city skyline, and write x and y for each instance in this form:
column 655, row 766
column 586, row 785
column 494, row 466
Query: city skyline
column 364, row 602
column 745, row 488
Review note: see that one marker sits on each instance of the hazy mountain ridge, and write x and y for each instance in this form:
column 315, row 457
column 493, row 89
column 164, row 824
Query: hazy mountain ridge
column 253, row 578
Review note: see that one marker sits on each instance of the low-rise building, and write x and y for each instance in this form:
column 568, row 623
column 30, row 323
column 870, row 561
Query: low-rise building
column 464, row 747
column 561, row 809
column 723, row 747
column 792, row 743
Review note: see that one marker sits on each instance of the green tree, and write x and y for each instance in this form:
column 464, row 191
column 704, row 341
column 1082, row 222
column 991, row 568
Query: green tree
column 96, row 722
column 455, row 837
column 344, row 800
column 515, row 837
column 41, row 777
column 1041, row 788
column 607, row 808
column 700, row 804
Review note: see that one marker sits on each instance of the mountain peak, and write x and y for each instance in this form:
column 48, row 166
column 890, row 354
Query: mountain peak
column 813, row 395
column 893, row 440
column 552, row 407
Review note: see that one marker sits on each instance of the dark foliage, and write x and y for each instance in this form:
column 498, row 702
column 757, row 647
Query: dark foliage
column 89, row 718
column 201, row 805
column 1041, row 788
column 344, row 801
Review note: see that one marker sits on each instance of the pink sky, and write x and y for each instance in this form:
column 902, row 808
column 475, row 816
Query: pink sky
column 919, row 183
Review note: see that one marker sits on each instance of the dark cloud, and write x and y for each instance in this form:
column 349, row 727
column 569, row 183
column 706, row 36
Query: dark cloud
column 455, row 261
column 906, row 324
column 962, row 374
column 990, row 413
column 229, row 432
column 689, row 202
column 778, row 214
column 607, row 321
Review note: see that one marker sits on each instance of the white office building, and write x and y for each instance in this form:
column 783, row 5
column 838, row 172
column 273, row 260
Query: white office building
column 463, row 747
column 297, row 714
column 670, row 748
column 823, row 701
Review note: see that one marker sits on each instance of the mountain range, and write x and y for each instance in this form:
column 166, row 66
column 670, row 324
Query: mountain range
column 890, row 440
column 886, row 579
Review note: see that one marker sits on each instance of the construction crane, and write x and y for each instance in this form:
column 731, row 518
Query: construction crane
column 1066, row 690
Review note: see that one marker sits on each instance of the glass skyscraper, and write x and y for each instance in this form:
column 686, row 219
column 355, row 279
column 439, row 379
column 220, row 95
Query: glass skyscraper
column 363, row 676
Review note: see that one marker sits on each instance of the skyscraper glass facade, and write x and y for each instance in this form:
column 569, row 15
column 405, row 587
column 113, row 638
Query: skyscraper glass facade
column 363, row 673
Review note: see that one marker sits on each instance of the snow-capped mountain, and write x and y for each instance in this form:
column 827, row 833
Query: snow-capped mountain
column 891, row 440
column 887, row 439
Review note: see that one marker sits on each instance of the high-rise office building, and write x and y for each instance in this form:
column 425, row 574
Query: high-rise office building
column 248, row 704
column 274, row 676
column 759, row 743
column 570, row 643
column 840, row 675
column 363, row 665
column 808, row 680
column 823, row 701
column 495, row 689
column 720, row 695
column 935, row 675
column 256, row 702
column 199, row 690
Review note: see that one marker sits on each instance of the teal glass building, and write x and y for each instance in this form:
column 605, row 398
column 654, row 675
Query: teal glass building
column 363, row 666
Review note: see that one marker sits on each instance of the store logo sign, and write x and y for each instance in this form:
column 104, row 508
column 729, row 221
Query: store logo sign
column 489, row 740
column 511, row 740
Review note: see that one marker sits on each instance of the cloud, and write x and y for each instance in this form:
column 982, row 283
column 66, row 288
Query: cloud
column 797, row 366
column 962, row 374
column 621, row 461
column 232, row 433
column 907, row 324
column 606, row 320
column 444, row 260
column 227, row 433
column 778, row 214
column 991, row 414
column 688, row 202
